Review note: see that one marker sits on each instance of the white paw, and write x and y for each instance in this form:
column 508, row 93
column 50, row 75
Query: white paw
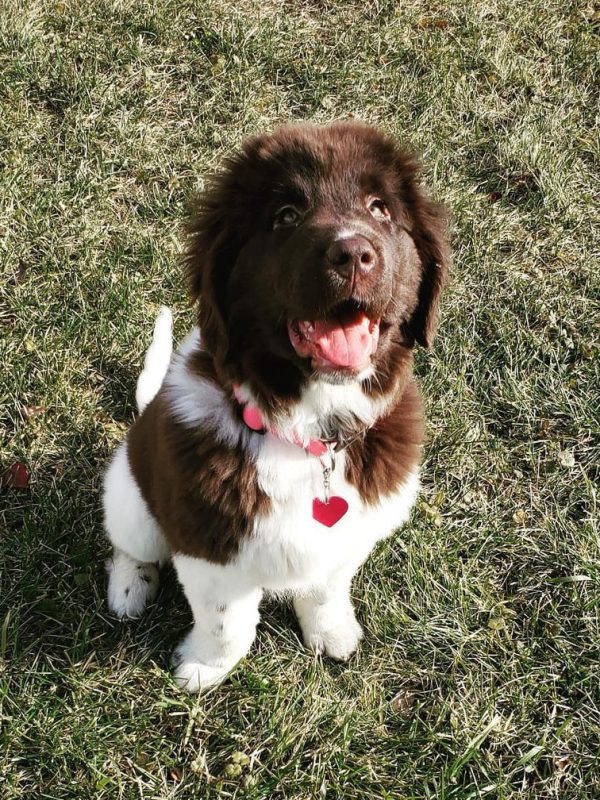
column 192, row 674
column 337, row 638
column 131, row 585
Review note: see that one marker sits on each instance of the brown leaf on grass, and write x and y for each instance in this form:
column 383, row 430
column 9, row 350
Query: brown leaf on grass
column 544, row 427
column 29, row 412
column 426, row 22
column 493, row 197
column 520, row 517
column 561, row 763
column 16, row 476
column 403, row 702
column 175, row 774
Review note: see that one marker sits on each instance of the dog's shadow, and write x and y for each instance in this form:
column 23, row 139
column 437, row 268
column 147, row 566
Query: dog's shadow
column 53, row 598
column 117, row 392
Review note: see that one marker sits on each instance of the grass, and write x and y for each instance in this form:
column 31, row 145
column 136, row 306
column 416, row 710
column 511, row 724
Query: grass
column 479, row 676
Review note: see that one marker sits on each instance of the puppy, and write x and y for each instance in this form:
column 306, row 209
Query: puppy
column 282, row 440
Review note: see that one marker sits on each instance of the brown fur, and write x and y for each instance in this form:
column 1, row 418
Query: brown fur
column 204, row 494
column 381, row 461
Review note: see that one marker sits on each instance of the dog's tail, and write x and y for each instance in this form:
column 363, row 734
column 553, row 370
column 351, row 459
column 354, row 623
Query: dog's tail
column 157, row 359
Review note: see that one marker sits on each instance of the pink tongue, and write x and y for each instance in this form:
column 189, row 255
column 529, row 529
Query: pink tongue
column 347, row 344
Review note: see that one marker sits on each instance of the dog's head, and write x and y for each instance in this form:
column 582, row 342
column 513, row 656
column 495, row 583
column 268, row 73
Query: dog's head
column 315, row 255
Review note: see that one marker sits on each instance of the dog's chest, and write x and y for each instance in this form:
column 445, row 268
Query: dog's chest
column 290, row 549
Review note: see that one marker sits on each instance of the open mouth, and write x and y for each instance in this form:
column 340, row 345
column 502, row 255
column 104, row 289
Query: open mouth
column 345, row 339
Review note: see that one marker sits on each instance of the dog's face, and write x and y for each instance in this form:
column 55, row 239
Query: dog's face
column 316, row 255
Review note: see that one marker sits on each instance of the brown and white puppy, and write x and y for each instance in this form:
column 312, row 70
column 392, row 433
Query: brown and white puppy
column 282, row 440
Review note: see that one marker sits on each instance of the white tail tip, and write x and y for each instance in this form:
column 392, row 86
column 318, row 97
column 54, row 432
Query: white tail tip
column 156, row 362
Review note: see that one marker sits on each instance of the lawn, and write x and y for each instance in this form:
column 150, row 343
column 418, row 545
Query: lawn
column 479, row 675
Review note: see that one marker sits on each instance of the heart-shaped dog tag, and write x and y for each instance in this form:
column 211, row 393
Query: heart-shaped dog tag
column 331, row 512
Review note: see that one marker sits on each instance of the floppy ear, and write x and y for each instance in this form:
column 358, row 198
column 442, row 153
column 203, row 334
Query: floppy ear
column 430, row 236
column 213, row 245
column 429, row 231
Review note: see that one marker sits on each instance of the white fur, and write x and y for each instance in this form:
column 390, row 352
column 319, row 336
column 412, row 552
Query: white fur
column 224, row 602
column 157, row 359
column 320, row 399
column 137, row 539
column 289, row 551
column 345, row 233
column 131, row 584
column 130, row 525
column 195, row 401
column 327, row 619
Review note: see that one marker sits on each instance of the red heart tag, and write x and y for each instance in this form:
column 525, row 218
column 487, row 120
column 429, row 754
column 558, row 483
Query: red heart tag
column 331, row 512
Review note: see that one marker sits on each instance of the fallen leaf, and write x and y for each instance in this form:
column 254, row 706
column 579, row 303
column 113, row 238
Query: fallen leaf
column 16, row 476
column 403, row 702
column 544, row 427
column 566, row 458
column 175, row 774
column 29, row 412
column 520, row 517
column 561, row 763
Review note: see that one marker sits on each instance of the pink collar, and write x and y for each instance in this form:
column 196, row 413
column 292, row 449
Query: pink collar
column 253, row 417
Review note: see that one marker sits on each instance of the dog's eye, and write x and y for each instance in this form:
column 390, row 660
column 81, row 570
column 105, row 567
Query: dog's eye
column 286, row 217
column 379, row 209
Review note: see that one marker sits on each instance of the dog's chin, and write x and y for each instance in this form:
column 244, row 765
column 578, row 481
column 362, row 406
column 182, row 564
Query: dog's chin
column 339, row 376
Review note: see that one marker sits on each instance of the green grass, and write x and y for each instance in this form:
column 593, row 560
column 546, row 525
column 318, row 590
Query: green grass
column 480, row 672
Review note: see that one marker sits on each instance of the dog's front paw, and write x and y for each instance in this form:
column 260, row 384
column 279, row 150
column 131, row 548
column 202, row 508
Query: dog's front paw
column 131, row 585
column 336, row 638
column 192, row 674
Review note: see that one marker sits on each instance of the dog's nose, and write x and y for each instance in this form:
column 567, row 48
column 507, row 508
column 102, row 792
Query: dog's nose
column 354, row 254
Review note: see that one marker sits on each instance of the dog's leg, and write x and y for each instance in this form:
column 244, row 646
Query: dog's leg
column 225, row 609
column 327, row 618
column 138, row 543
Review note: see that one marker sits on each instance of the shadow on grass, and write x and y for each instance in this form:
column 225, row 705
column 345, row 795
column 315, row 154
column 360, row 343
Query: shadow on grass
column 117, row 399
column 54, row 579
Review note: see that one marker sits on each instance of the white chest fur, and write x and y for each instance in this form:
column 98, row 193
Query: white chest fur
column 292, row 551
column 289, row 550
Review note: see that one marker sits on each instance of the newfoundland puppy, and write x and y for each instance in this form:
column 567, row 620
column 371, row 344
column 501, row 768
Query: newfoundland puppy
column 282, row 439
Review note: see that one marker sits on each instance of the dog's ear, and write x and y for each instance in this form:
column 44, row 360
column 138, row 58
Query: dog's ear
column 428, row 228
column 212, row 248
column 430, row 236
